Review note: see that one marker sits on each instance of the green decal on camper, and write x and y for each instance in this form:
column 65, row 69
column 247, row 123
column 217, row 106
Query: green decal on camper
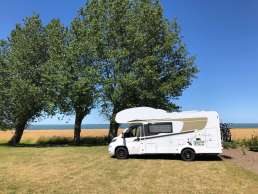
column 199, row 143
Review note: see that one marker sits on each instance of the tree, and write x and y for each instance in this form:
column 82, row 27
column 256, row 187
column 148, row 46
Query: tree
column 71, row 70
column 143, row 59
column 5, row 115
column 24, row 91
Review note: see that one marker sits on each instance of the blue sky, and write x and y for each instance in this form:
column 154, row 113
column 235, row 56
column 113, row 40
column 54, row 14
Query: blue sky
column 222, row 34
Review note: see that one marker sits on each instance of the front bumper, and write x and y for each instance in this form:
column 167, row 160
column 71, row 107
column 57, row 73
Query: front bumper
column 111, row 150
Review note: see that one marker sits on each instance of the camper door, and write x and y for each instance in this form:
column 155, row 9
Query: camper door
column 212, row 139
column 132, row 139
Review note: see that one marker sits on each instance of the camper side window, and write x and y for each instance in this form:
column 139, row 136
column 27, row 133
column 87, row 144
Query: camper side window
column 157, row 128
column 134, row 131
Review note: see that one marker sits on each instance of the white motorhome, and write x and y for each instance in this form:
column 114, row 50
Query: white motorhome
column 155, row 131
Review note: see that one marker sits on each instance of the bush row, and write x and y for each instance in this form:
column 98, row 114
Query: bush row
column 251, row 144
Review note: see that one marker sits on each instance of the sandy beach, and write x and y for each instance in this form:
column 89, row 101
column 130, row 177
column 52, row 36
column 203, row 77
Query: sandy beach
column 36, row 134
column 243, row 133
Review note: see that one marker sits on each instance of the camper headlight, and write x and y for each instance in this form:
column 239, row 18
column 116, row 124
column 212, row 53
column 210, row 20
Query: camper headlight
column 113, row 140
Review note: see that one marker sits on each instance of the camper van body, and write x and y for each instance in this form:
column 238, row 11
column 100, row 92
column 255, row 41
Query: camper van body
column 168, row 133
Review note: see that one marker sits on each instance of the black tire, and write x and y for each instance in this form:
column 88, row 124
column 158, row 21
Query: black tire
column 188, row 154
column 121, row 153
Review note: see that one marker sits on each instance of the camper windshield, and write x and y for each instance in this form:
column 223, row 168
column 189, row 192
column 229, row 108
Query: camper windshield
column 133, row 131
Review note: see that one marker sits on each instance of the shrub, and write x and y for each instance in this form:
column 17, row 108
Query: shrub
column 252, row 144
column 54, row 140
column 232, row 144
column 94, row 141
column 225, row 132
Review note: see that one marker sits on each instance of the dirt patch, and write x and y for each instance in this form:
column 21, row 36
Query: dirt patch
column 242, row 157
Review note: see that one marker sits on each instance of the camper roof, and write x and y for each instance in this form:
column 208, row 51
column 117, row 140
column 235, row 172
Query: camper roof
column 151, row 114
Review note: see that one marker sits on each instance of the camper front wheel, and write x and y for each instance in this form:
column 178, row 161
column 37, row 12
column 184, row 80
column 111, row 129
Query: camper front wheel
column 121, row 153
column 188, row 154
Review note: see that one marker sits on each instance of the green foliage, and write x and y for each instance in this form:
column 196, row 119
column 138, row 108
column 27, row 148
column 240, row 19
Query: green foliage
column 252, row 143
column 143, row 60
column 47, row 68
column 231, row 144
column 53, row 141
column 124, row 50
column 70, row 70
column 55, row 75
column 89, row 141
column 23, row 90
column 5, row 115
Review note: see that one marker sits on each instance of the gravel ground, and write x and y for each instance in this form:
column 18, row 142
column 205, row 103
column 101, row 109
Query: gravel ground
column 242, row 157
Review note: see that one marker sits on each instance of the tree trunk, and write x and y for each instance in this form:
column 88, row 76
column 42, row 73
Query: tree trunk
column 16, row 138
column 77, row 128
column 113, row 128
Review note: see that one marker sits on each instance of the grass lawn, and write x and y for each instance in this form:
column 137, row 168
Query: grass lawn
column 89, row 169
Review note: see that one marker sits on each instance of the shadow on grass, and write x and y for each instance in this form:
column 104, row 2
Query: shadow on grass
column 62, row 142
column 175, row 157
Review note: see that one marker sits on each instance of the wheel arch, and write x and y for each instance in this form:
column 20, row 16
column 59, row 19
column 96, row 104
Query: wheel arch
column 184, row 148
column 120, row 147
